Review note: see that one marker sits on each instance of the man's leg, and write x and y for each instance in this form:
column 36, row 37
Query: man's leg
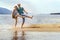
column 23, row 22
column 29, row 16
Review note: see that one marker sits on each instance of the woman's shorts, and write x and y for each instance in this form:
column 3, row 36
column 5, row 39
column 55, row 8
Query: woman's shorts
column 13, row 16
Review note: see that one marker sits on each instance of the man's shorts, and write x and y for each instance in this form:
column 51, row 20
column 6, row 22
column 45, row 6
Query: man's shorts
column 24, row 15
column 24, row 18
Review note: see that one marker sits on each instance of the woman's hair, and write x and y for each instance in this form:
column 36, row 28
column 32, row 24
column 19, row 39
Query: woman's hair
column 15, row 7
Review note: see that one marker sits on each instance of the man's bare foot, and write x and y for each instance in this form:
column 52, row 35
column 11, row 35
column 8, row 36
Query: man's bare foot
column 31, row 17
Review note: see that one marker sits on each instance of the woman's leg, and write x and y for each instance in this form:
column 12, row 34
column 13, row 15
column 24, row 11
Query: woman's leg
column 20, row 16
column 15, row 21
column 23, row 22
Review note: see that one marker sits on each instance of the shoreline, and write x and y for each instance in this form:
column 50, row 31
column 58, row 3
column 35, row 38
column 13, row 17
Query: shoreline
column 40, row 28
column 35, row 27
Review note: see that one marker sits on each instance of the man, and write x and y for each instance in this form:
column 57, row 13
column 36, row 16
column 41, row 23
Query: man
column 21, row 11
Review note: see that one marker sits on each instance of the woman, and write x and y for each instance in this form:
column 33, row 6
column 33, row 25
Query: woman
column 14, row 14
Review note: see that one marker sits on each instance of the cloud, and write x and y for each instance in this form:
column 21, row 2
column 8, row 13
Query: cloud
column 34, row 6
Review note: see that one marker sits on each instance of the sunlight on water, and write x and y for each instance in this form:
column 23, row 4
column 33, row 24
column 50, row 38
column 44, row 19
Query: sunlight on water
column 7, row 22
column 37, row 19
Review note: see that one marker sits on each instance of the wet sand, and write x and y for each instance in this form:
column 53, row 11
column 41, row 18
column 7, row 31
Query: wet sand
column 40, row 28
column 37, row 27
column 15, row 37
column 33, row 32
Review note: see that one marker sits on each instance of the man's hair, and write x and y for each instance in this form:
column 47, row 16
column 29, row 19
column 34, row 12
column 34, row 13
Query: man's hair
column 18, row 4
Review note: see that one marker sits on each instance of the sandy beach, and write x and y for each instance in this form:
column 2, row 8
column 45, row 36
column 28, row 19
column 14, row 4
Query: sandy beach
column 40, row 28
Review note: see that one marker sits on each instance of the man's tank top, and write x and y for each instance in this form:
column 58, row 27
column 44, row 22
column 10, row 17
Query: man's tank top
column 20, row 10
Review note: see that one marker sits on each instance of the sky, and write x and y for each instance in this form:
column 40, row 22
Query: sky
column 34, row 6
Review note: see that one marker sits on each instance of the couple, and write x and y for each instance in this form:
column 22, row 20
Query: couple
column 18, row 11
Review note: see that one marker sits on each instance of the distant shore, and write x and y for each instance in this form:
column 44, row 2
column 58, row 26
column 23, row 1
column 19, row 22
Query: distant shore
column 54, row 13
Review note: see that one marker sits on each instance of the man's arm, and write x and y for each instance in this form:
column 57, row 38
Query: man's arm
column 25, row 11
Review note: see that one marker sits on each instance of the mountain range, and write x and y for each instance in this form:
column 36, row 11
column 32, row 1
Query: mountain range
column 5, row 11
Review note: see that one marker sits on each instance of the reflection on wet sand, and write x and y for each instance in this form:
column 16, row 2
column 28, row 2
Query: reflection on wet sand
column 15, row 36
column 22, row 37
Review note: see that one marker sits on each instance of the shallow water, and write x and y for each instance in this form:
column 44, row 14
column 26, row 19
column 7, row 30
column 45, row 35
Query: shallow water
column 37, row 19
column 6, row 21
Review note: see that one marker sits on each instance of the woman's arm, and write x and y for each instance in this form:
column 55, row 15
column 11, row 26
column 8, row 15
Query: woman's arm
column 13, row 13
